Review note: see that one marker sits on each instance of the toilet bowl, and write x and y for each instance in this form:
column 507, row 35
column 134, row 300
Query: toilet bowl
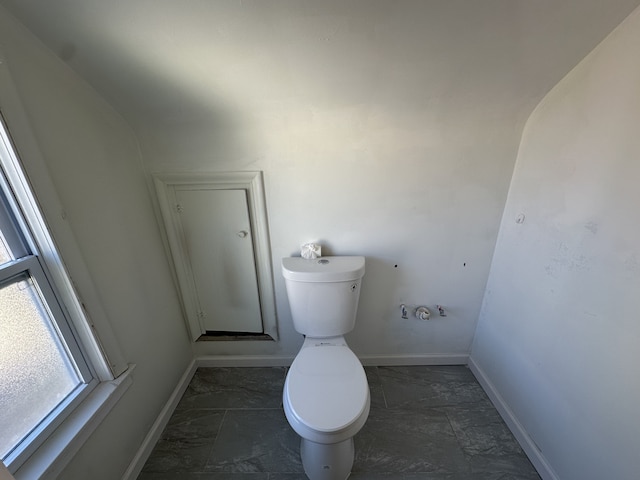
column 326, row 401
column 326, row 394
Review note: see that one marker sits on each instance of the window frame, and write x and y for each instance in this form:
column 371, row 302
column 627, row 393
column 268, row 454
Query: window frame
column 75, row 283
column 27, row 238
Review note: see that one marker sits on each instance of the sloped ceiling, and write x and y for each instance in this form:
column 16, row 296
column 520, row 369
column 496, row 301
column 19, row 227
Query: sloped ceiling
column 163, row 63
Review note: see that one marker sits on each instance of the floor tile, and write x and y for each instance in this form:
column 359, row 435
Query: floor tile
column 426, row 423
column 234, row 388
column 398, row 441
column 424, row 387
column 372, row 375
column 203, row 476
column 481, row 431
column 410, row 476
column 288, row 476
column 492, row 451
column 256, row 441
column 375, row 388
column 186, row 442
column 502, row 467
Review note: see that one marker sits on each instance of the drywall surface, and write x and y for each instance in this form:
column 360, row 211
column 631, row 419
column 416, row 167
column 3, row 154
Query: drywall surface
column 558, row 333
column 386, row 129
column 93, row 160
column 372, row 140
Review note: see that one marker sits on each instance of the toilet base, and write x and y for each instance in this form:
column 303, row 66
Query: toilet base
column 331, row 461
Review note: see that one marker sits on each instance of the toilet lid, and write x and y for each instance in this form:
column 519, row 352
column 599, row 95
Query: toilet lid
column 327, row 387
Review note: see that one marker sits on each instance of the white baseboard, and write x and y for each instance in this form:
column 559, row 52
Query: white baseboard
column 415, row 359
column 135, row 467
column 526, row 442
column 243, row 361
column 369, row 360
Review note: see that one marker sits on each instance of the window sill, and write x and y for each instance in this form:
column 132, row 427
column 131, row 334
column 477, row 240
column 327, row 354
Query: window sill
column 58, row 450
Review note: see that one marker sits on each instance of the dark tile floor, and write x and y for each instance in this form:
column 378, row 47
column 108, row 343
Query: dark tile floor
column 426, row 423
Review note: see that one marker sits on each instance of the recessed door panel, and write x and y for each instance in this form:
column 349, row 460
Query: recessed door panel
column 217, row 237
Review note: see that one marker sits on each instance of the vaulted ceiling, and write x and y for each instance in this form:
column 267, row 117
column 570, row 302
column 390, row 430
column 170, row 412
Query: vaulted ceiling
column 164, row 63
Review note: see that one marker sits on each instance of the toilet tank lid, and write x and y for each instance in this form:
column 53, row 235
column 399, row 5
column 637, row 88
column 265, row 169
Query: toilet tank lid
column 323, row 269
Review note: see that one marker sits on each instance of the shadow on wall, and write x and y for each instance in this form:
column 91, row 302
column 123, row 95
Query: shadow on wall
column 379, row 288
column 172, row 105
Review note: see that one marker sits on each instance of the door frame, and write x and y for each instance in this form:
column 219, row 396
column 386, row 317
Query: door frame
column 252, row 183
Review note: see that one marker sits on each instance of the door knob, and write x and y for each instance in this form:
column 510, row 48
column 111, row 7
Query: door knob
column 242, row 233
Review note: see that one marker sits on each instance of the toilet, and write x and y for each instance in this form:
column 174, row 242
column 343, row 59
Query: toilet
column 326, row 395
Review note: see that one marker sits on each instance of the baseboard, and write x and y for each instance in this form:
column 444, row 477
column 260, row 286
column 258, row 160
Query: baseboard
column 526, row 442
column 243, row 361
column 414, row 359
column 135, row 467
column 368, row 360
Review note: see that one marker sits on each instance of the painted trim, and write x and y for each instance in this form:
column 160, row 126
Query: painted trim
column 244, row 361
column 152, row 437
column 65, row 263
column 415, row 359
column 65, row 442
column 524, row 439
column 253, row 184
column 368, row 360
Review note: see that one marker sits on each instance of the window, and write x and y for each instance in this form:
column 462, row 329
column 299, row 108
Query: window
column 44, row 370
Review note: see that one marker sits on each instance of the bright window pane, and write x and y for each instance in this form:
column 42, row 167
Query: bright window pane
column 35, row 374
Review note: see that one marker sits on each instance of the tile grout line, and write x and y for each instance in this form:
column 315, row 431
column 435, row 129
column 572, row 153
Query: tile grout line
column 213, row 445
column 384, row 395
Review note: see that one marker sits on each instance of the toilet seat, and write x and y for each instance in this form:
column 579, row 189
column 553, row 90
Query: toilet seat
column 326, row 394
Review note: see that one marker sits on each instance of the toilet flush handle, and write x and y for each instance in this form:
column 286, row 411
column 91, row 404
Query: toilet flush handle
column 242, row 233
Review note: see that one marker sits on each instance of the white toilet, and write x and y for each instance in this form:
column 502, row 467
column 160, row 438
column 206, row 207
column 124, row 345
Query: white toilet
column 326, row 394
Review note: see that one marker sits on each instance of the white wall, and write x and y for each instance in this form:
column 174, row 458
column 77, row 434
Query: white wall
column 387, row 129
column 370, row 141
column 558, row 334
column 93, row 160
column 385, row 132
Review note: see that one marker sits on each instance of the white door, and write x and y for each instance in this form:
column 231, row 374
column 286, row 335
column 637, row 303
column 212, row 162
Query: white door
column 219, row 248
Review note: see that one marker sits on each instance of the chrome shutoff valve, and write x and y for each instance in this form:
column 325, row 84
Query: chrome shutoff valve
column 423, row 313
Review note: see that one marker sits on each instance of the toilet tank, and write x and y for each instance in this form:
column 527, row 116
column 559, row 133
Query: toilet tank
column 323, row 293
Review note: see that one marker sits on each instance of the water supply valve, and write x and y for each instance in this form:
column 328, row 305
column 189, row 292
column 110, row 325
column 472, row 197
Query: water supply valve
column 423, row 313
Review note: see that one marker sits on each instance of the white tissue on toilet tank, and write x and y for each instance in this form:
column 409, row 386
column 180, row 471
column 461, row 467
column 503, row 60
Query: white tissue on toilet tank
column 310, row 251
